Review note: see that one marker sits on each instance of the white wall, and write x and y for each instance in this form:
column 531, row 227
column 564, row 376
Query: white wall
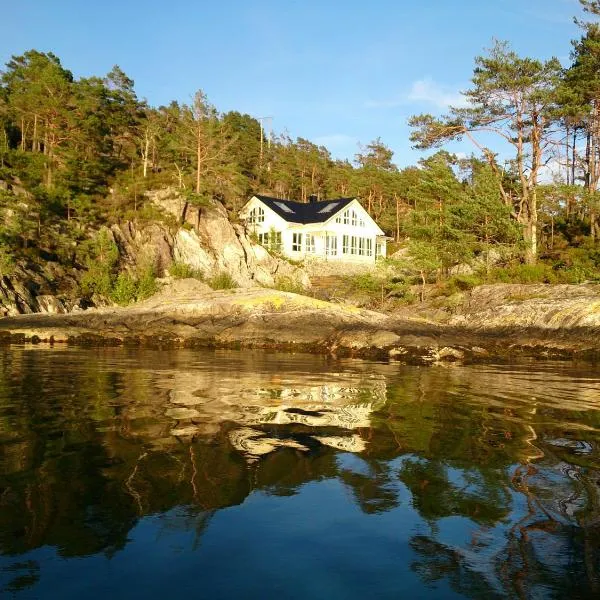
column 273, row 222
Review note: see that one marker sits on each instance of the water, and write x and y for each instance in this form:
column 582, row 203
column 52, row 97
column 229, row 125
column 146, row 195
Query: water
column 153, row 474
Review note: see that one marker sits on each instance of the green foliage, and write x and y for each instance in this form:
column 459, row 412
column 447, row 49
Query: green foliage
column 581, row 269
column 367, row 283
column 181, row 270
column 7, row 261
column 84, row 151
column 458, row 284
column 146, row 283
column 222, row 281
column 380, row 289
column 100, row 255
column 124, row 289
column 288, row 284
column 128, row 288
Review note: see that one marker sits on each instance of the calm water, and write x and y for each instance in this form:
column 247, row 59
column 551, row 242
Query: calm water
column 149, row 474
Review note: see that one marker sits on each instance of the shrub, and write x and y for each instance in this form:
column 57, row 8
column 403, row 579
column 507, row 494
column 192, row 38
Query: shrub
column 222, row 281
column 521, row 273
column 366, row 283
column 124, row 290
column 288, row 284
column 180, row 270
column 146, row 284
column 457, row 284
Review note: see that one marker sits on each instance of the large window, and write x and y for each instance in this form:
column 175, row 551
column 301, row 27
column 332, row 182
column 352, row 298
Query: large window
column 296, row 242
column 271, row 240
column 353, row 244
column 350, row 217
column 345, row 245
column 362, row 246
column 331, row 245
column 257, row 215
column 310, row 243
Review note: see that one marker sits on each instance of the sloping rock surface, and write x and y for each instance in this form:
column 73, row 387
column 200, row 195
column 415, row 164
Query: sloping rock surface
column 190, row 315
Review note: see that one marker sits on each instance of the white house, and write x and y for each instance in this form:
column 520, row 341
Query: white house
column 333, row 230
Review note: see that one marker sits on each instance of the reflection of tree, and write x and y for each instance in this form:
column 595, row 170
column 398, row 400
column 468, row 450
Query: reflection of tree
column 374, row 492
column 87, row 449
column 19, row 576
column 479, row 495
column 437, row 562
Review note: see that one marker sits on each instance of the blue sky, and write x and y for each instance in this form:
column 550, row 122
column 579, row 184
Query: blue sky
column 337, row 73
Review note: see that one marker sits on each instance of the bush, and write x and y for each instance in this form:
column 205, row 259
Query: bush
column 124, row 290
column 222, row 281
column 457, row 284
column 366, row 283
column 129, row 288
column 146, row 285
column 521, row 273
column 180, row 270
column 288, row 284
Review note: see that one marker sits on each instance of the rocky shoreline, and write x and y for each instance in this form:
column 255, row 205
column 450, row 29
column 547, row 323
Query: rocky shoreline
column 546, row 322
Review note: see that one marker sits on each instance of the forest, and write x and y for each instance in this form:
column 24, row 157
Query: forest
column 79, row 153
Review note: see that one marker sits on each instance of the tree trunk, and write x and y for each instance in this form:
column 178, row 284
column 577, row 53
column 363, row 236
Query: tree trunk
column 198, row 159
column 34, row 143
column 145, row 154
column 397, row 218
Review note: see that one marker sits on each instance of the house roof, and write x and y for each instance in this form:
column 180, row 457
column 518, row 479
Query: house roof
column 305, row 212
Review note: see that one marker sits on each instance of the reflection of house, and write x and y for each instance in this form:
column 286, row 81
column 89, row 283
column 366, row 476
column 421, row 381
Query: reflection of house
column 339, row 229
column 333, row 406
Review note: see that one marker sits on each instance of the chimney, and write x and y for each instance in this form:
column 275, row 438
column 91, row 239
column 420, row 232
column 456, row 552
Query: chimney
column 312, row 198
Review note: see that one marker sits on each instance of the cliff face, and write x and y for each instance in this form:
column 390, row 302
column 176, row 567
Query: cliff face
column 206, row 241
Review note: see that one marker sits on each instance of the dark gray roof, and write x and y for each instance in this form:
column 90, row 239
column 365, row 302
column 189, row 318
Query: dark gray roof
column 305, row 212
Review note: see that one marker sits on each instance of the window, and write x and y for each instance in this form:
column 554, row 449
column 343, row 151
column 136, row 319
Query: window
column 310, row 243
column 345, row 246
column 271, row 240
column 369, row 247
column 361, row 246
column 353, row 244
column 346, row 218
column 331, row 245
column 379, row 249
column 296, row 242
column 257, row 215
column 354, row 218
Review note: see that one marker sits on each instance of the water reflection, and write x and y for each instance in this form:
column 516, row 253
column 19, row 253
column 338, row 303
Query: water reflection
column 472, row 481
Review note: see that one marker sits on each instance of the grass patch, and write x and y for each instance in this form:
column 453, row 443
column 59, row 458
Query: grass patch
column 222, row 281
column 180, row 270
column 288, row 284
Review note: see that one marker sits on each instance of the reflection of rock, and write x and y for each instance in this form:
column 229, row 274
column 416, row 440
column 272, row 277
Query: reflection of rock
column 576, row 446
column 255, row 443
column 182, row 413
column 350, row 443
column 251, row 400
column 312, row 415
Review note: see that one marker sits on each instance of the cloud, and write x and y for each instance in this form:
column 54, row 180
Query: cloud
column 424, row 91
column 427, row 90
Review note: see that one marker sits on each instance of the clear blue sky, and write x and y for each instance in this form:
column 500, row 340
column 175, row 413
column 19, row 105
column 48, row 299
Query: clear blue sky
column 334, row 72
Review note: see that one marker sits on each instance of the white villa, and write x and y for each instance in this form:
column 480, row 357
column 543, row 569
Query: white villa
column 336, row 230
